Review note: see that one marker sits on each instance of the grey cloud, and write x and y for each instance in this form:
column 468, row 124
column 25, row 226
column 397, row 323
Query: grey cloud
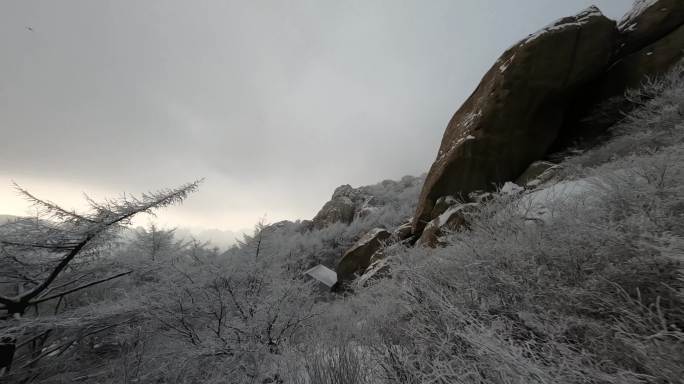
column 277, row 102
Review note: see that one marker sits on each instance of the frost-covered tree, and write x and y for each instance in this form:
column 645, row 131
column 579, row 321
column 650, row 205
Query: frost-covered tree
column 155, row 242
column 233, row 315
column 51, row 256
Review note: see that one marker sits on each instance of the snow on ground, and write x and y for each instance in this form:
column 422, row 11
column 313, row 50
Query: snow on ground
column 538, row 205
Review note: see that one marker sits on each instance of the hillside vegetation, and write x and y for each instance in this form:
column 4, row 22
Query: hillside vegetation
column 577, row 280
column 539, row 248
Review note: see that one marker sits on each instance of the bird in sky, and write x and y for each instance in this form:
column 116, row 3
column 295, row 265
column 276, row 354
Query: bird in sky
column 29, row 28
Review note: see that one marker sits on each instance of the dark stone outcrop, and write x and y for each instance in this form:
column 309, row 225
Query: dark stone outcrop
column 358, row 257
column 650, row 43
column 516, row 112
column 348, row 204
column 442, row 204
column 378, row 269
column 341, row 208
column 402, row 232
column 651, row 61
column 647, row 22
column 563, row 83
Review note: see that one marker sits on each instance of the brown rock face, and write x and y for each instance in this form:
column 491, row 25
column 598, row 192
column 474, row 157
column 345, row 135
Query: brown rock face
column 516, row 111
column 348, row 204
column 648, row 21
column 650, row 53
column 358, row 257
column 653, row 60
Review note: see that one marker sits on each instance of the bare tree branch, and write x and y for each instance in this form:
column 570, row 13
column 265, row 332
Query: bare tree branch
column 81, row 287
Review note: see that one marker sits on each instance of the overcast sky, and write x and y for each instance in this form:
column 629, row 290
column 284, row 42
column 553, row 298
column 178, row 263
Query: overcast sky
column 275, row 102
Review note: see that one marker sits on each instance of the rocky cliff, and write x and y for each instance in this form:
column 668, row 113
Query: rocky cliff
column 542, row 93
column 348, row 203
column 539, row 90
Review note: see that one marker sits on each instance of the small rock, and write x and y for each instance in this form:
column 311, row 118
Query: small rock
column 480, row 196
column 402, row 232
column 537, row 173
column 442, row 204
column 377, row 270
column 453, row 219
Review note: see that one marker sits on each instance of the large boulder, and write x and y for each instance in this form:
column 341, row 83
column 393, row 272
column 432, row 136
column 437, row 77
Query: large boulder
column 342, row 207
column 348, row 204
column 515, row 114
column 358, row 257
column 647, row 22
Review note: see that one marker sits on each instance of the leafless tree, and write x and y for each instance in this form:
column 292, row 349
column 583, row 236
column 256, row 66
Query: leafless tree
column 41, row 256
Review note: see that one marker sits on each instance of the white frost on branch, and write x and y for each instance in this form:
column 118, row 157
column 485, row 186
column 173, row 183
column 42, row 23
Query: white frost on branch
column 57, row 237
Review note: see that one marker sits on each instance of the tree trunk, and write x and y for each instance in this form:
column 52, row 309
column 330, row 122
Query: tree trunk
column 7, row 347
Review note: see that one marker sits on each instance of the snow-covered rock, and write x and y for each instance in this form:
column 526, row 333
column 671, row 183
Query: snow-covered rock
column 506, row 124
column 647, row 22
column 511, row 188
column 358, row 257
column 348, row 203
column 454, row 218
column 402, row 232
column 537, row 173
column 378, row 269
column 442, row 204
column 574, row 22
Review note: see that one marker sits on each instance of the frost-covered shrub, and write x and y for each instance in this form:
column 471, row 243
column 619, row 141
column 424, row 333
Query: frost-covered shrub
column 394, row 202
column 580, row 282
column 340, row 363
column 575, row 282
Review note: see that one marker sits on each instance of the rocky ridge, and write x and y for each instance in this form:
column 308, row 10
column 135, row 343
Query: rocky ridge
column 537, row 89
column 538, row 93
column 348, row 203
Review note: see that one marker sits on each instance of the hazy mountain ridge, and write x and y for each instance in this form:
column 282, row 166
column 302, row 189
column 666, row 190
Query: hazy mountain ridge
column 6, row 218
